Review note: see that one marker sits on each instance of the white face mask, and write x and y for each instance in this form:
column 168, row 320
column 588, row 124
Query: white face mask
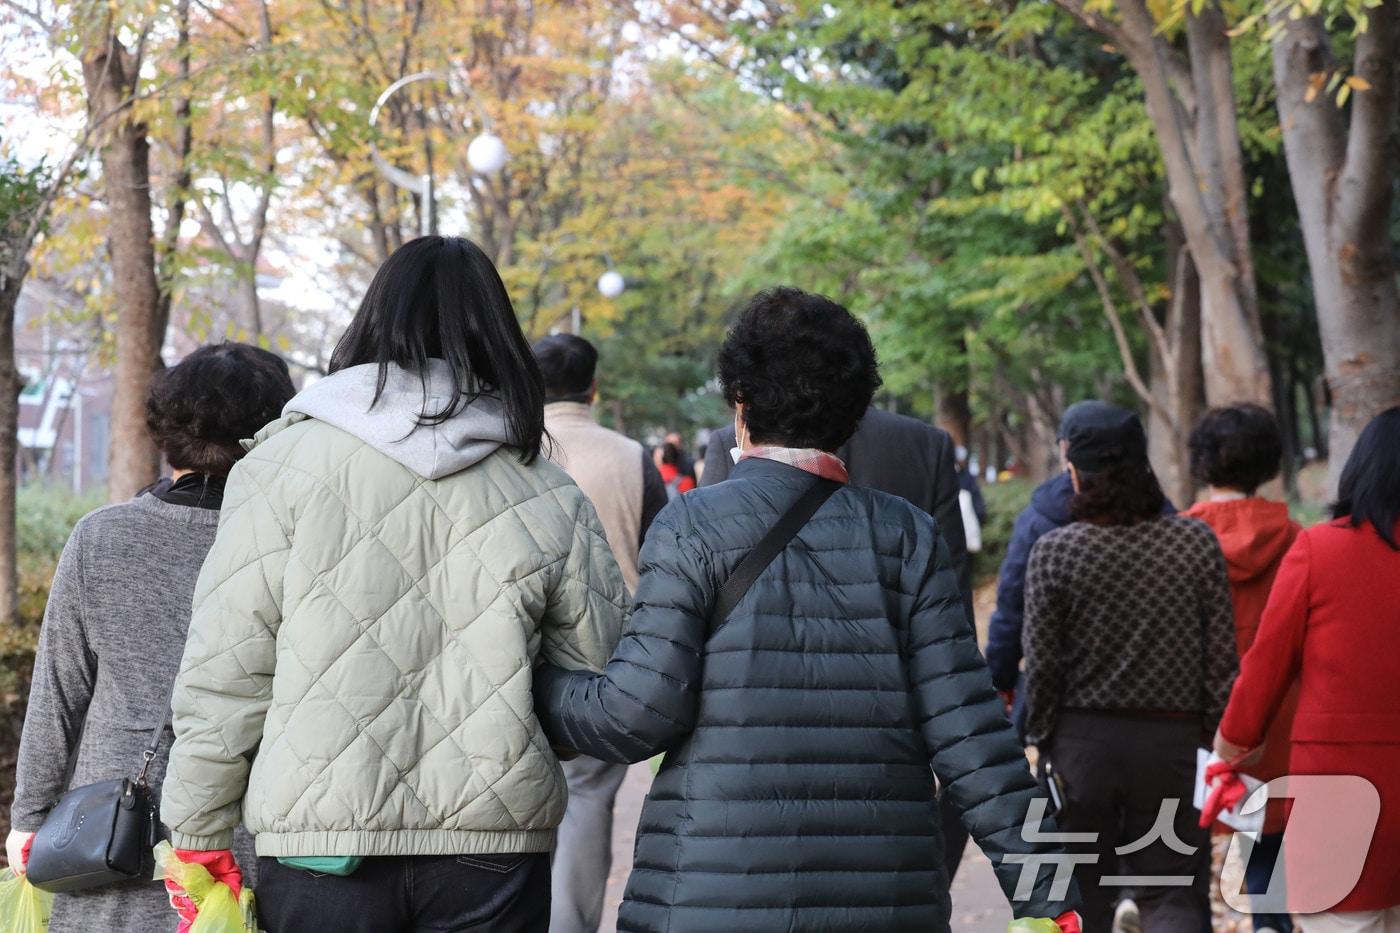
column 737, row 451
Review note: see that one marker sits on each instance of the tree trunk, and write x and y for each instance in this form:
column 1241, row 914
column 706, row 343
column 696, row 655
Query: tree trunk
column 1178, row 392
column 1191, row 104
column 111, row 74
column 1343, row 181
column 955, row 414
column 10, row 386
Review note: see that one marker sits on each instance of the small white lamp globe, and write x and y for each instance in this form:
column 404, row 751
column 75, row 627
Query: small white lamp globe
column 487, row 154
column 611, row 283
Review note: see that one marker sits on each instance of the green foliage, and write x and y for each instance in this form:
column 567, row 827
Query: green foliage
column 22, row 193
column 45, row 517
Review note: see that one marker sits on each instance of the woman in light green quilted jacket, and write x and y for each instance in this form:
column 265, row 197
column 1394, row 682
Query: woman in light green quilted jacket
column 393, row 558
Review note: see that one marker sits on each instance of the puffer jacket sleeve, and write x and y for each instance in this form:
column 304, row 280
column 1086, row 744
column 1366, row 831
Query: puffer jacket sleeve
column 646, row 698
column 588, row 599
column 225, row 684
column 973, row 750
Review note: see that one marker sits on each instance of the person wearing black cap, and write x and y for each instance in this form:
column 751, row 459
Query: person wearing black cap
column 1048, row 510
column 1130, row 652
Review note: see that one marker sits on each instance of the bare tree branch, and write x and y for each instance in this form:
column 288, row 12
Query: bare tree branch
column 1115, row 322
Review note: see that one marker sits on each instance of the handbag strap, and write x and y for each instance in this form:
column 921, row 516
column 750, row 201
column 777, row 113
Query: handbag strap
column 157, row 734
column 148, row 755
column 772, row 544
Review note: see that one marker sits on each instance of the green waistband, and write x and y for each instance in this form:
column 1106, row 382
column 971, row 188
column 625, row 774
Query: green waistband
column 340, row 865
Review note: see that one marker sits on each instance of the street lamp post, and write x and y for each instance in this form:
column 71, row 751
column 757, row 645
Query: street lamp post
column 486, row 154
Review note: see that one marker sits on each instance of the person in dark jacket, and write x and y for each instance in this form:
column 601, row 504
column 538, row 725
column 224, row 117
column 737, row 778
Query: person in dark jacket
column 114, row 627
column 917, row 462
column 797, row 791
column 1049, row 509
column 1130, row 651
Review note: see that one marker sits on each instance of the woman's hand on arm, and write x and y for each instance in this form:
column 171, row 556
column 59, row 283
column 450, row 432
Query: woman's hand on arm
column 646, row 697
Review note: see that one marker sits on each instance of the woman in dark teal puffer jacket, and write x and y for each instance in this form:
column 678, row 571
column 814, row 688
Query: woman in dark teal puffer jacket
column 796, row 792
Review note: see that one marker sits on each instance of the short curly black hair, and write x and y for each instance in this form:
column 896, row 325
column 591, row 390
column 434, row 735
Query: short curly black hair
column 1238, row 447
column 803, row 367
column 198, row 410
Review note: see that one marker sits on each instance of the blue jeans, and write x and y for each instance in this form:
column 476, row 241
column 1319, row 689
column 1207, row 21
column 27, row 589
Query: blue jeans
column 1258, row 869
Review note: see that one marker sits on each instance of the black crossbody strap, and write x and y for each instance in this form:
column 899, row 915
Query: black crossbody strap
column 153, row 747
column 773, row 543
column 147, row 756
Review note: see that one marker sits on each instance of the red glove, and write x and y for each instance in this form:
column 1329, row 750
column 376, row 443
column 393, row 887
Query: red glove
column 221, row 866
column 1226, row 791
column 1068, row 922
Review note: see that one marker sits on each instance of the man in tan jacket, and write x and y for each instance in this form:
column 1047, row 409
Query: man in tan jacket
column 619, row 477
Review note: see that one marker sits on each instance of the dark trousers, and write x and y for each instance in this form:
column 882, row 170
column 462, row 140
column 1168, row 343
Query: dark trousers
column 409, row 894
column 1116, row 770
column 954, row 835
column 1258, row 869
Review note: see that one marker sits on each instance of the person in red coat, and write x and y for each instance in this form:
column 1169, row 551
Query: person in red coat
column 1234, row 451
column 1331, row 624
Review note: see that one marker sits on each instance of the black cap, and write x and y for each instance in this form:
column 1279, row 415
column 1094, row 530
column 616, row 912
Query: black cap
column 1101, row 435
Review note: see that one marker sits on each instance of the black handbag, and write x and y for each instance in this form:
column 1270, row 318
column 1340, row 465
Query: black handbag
column 99, row 833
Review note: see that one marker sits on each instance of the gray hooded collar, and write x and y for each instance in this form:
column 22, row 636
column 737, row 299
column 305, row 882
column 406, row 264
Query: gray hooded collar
column 343, row 400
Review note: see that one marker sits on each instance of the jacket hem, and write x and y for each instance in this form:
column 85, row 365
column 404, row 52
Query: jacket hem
column 403, row 842
column 215, row 843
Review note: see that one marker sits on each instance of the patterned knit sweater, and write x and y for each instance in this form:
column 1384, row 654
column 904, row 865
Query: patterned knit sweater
column 1128, row 617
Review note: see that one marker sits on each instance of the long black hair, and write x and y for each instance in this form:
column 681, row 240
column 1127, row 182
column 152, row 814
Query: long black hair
column 440, row 297
column 1369, row 490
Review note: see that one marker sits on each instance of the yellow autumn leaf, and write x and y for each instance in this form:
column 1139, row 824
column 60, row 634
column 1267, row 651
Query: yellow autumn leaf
column 1358, row 83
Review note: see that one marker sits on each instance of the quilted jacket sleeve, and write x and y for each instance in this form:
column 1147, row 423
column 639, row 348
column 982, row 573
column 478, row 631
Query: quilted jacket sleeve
column 225, row 684
column 974, row 751
column 588, row 600
column 646, row 698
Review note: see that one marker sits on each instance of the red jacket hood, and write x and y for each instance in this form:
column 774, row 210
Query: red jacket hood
column 1253, row 533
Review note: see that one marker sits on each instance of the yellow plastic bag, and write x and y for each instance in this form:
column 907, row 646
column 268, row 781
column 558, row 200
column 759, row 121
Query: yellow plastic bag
column 1033, row 925
column 219, row 910
column 23, row 907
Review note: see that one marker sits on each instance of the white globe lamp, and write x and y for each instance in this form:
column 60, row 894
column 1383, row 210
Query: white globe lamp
column 611, row 283
column 487, row 154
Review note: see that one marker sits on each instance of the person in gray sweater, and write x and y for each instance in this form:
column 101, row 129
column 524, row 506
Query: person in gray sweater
column 114, row 628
